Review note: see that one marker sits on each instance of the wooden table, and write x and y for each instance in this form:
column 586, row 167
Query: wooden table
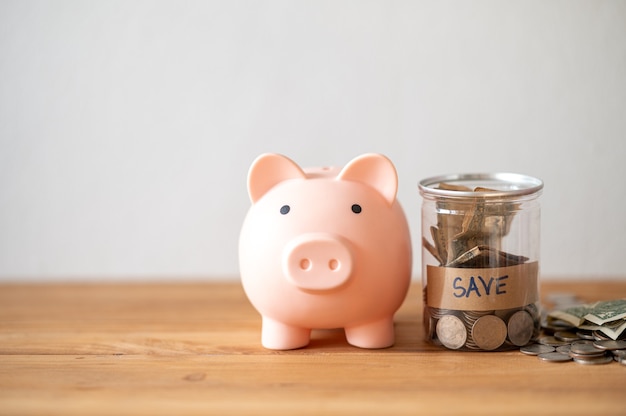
column 189, row 348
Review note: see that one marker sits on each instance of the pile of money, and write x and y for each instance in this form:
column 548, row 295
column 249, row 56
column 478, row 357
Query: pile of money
column 473, row 239
column 581, row 351
column 607, row 317
column 483, row 330
column 589, row 334
column 469, row 234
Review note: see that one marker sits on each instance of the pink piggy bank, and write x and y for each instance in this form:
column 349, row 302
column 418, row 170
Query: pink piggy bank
column 325, row 248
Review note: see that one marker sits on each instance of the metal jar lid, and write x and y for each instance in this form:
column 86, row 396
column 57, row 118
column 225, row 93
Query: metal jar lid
column 504, row 185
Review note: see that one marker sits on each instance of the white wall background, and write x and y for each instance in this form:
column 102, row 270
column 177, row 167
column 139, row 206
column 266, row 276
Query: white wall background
column 127, row 127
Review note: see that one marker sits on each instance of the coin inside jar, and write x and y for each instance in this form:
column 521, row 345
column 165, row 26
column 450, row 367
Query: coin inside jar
column 451, row 332
column 489, row 332
column 520, row 328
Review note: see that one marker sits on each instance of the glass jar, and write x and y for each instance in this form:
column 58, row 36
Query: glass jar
column 480, row 260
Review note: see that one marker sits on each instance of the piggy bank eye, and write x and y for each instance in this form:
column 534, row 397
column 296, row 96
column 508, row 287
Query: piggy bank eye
column 284, row 209
column 356, row 208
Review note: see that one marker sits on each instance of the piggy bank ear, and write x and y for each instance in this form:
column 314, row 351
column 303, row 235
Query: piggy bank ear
column 268, row 170
column 373, row 170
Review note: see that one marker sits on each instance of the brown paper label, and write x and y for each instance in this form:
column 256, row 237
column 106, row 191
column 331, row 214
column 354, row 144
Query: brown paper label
column 482, row 289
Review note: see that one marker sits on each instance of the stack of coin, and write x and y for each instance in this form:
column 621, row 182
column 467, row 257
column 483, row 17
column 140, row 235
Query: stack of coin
column 566, row 346
column 482, row 330
column 608, row 316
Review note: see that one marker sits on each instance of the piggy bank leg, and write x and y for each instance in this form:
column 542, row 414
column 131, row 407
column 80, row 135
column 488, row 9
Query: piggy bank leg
column 279, row 336
column 376, row 334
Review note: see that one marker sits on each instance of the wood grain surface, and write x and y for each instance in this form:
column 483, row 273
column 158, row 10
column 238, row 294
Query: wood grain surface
column 190, row 348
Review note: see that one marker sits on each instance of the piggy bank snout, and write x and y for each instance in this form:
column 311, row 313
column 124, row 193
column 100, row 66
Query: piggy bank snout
column 317, row 261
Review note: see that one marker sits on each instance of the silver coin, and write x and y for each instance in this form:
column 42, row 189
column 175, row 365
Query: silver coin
column 520, row 328
column 555, row 357
column 554, row 326
column 551, row 341
column 489, row 332
column 585, row 348
column 609, row 344
column 586, row 356
column 567, row 336
column 451, row 332
column 599, row 336
column 584, row 334
column 604, row 359
column 564, row 349
column 536, row 349
column 469, row 319
column 619, row 353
